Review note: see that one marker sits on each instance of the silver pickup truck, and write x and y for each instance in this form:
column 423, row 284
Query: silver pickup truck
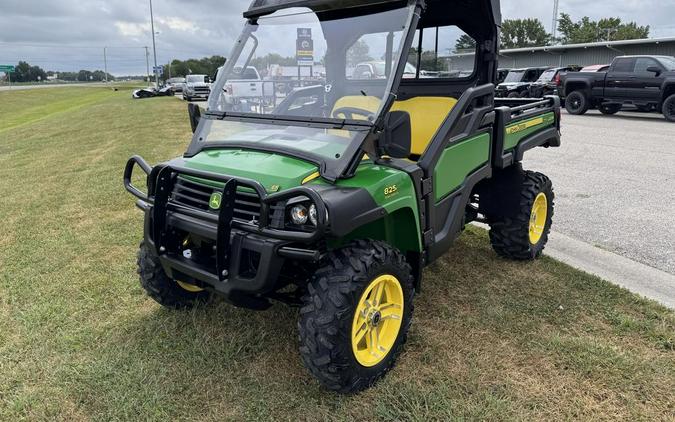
column 196, row 87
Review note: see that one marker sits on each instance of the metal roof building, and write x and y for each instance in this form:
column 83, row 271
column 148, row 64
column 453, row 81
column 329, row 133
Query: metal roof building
column 572, row 54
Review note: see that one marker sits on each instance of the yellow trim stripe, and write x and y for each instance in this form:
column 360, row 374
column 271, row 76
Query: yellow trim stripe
column 311, row 177
column 524, row 126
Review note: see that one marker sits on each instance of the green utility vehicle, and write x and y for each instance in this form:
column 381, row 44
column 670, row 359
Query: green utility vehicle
column 336, row 195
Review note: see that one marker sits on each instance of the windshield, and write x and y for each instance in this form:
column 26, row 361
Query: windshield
column 668, row 62
column 196, row 78
column 515, row 76
column 307, row 69
column 548, row 75
column 353, row 59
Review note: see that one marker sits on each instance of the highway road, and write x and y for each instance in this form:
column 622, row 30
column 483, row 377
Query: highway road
column 614, row 180
column 26, row 87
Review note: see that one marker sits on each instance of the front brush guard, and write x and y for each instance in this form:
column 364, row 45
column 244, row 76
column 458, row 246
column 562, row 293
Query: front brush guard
column 160, row 182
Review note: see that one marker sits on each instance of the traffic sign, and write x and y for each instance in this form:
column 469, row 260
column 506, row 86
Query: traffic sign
column 6, row 68
column 158, row 69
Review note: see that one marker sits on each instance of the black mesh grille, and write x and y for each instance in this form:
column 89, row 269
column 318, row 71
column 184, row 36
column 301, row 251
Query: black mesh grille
column 195, row 195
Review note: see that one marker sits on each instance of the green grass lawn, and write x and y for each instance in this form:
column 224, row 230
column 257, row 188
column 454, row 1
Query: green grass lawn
column 79, row 340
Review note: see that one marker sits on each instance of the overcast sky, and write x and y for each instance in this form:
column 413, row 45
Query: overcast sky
column 68, row 35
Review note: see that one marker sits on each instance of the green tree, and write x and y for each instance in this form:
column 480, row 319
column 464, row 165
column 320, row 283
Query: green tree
column 203, row 66
column 358, row 53
column 519, row 33
column 606, row 29
column 24, row 72
column 465, row 43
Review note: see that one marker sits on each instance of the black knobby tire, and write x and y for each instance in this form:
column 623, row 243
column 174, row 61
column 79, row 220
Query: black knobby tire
column 514, row 95
column 576, row 103
column 160, row 287
column 609, row 109
column 509, row 236
column 325, row 325
column 668, row 108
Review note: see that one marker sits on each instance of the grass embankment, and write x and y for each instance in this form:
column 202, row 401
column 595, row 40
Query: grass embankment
column 80, row 341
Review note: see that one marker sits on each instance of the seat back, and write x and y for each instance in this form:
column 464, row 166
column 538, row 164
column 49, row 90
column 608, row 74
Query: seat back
column 427, row 114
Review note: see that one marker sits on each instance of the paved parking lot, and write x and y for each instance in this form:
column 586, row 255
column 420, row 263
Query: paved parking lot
column 614, row 179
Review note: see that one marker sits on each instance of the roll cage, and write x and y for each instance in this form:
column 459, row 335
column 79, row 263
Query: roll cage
column 480, row 19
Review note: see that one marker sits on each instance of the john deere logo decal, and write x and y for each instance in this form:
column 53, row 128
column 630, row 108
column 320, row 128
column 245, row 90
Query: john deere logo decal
column 216, row 199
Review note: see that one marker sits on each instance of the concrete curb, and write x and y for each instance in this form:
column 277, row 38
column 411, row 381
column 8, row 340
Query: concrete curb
column 636, row 277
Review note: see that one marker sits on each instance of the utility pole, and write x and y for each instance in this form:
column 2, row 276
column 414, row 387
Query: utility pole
column 147, row 62
column 554, row 26
column 154, row 48
column 168, row 66
column 105, row 64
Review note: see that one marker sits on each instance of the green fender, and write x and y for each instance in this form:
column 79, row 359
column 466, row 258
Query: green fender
column 394, row 193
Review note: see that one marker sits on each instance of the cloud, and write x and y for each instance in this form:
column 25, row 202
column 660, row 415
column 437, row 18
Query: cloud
column 70, row 34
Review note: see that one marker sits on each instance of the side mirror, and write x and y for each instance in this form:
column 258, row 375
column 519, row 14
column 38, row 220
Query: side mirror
column 195, row 115
column 396, row 139
column 654, row 69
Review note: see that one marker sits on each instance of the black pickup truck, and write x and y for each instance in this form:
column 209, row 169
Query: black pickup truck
column 643, row 81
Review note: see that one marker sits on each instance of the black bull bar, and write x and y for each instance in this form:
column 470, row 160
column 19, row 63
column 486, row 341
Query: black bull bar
column 161, row 180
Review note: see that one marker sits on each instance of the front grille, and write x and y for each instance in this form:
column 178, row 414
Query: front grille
column 203, row 89
column 195, row 195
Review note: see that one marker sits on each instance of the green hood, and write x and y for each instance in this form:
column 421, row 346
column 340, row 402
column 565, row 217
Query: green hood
column 275, row 172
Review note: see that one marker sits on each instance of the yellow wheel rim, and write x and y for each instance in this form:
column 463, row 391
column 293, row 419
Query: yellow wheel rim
column 377, row 320
column 189, row 287
column 538, row 218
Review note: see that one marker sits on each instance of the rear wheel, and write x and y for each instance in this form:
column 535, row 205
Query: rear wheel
column 160, row 287
column 609, row 108
column 524, row 236
column 514, row 95
column 669, row 108
column 576, row 103
column 356, row 315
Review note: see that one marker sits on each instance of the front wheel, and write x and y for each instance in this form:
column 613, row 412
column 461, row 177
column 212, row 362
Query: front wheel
column 160, row 287
column 576, row 103
column 356, row 315
column 609, row 109
column 524, row 235
column 669, row 108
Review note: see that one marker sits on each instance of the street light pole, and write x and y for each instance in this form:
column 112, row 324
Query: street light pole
column 105, row 64
column 554, row 25
column 154, row 48
column 147, row 63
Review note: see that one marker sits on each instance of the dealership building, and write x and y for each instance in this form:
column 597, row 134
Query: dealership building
column 572, row 54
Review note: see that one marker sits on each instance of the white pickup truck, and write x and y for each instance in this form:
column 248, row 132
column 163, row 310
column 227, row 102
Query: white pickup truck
column 247, row 87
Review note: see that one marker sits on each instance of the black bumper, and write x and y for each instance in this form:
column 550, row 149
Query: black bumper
column 231, row 281
column 235, row 244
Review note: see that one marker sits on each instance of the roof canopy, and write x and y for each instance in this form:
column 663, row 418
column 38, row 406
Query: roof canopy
column 476, row 17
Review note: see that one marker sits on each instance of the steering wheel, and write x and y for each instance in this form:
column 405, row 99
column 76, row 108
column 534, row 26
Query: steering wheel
column 349, row 113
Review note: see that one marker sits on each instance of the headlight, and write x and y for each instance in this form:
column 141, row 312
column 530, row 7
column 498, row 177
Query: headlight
column 299, row 215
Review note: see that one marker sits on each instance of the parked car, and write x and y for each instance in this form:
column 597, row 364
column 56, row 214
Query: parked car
column 501, row 75
column 550, row 82
column 518, row 81
column 197, row 87
column 151, row 92
column 376, row 70
column 176, row 84
column 644, row 81
column 596, row 68
column 245, row 89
